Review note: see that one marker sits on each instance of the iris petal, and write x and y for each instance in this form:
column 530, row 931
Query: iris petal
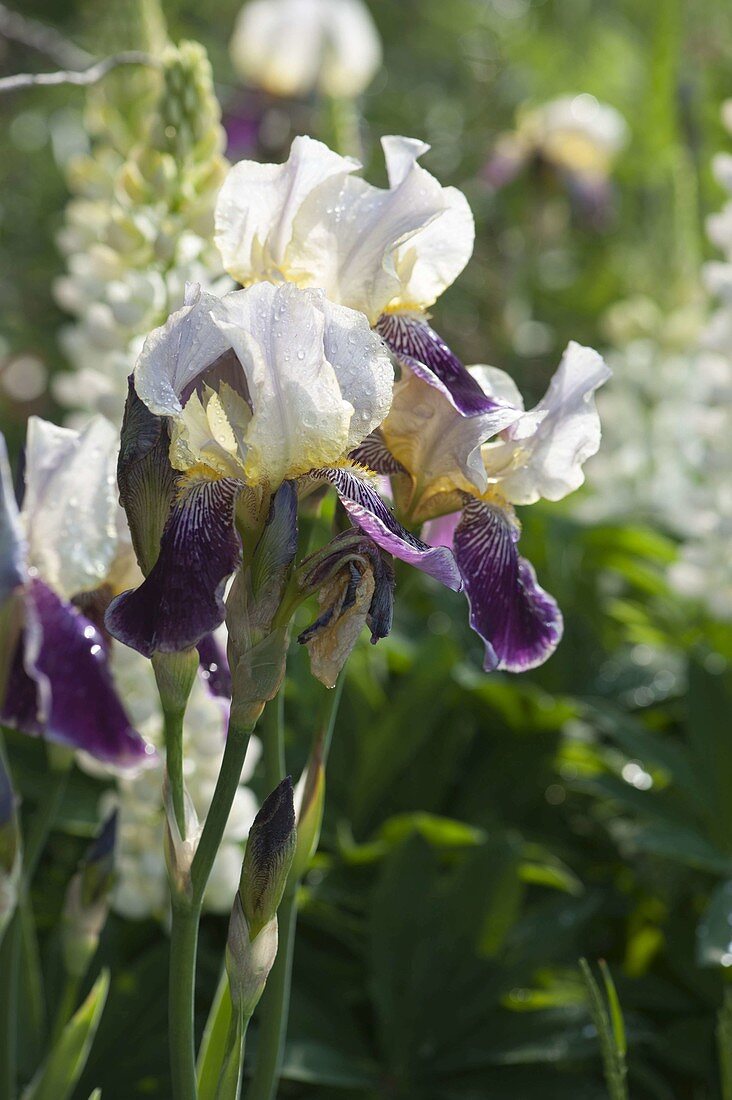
column 60, row 685
column 519, row 622
column 181, row 601
column 368, row 511
column 416, row 344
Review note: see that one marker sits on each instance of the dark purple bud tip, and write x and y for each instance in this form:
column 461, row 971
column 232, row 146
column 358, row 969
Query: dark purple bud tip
column 270, row 850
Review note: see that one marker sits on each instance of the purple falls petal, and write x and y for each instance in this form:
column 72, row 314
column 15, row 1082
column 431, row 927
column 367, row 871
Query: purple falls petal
column 373, row 453
column 416, row 344
column 519, row 622
column 181, row 600
column 60, row 685
column 368, row 511
column 214, row 666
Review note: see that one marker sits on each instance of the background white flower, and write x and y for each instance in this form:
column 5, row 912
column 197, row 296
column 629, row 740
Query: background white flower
column 142, row 886
column 292, row 47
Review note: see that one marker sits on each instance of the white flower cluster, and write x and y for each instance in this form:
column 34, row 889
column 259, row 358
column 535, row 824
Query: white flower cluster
column 655, row 417
column 141, row 888
column 667, row 422
column 704, row 570
column 138, row 229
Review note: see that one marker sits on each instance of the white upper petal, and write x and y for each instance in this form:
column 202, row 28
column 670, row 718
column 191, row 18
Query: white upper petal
column 497, row 383
column 290, row 47
column 318, row 379
column 310, row 222
column 178, row 352
column 258, row 203
column 545, row 449
column 70, row 507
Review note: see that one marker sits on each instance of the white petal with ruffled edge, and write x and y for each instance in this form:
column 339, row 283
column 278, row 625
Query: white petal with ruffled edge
column 258, row 204
column 543, row 452
column 310, row 222
column 70, row 507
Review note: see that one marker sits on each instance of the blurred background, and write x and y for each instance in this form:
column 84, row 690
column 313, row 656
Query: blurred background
column 483, row 832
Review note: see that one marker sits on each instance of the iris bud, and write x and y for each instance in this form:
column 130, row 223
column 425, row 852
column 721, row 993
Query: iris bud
column 269, row 853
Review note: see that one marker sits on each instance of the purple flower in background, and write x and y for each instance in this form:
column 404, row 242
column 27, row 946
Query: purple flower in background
column 64, row 546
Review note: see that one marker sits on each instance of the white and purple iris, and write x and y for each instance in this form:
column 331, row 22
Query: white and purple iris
column 63, row 555
column 290, row 381
column 455, row 474
column 262, row 387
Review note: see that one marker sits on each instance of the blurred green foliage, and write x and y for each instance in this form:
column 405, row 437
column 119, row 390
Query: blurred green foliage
column 482, row 833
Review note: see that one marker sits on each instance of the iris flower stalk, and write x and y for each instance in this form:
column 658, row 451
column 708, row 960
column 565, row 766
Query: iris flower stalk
column 241, row 406
column 238, row 406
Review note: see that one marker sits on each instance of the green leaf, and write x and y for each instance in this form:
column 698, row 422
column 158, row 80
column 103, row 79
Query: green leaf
column 315, row 1063
column 681, row 845
column 57, row 1078
column 610, row 1030
column 213, row 1043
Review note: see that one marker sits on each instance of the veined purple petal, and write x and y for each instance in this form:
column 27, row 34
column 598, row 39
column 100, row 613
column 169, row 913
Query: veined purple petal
column 60, row 685
column 181, row 600
column 368, row 511
column 374, row 453
column 214, row 666
column 416, row 344
column 519, row 622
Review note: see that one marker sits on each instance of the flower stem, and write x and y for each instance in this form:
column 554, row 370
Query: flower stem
column 181, row 990
column 173, row 727
column 186, row 915
column 276, row 1005
column 276, row 998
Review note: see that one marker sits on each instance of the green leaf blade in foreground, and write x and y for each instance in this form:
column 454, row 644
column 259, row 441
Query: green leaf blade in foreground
column 213, row 1045
column 57, row 1078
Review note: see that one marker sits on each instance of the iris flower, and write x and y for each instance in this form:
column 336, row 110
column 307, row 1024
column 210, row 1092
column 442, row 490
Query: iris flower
column 291, row 47
column 63, row 556
column 263, row 386
column 389, row 253
column 445, row 475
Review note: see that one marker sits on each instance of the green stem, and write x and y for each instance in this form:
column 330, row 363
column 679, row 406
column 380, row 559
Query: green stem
column 173, row 730
column 181, row 990
column 275, row 1006
column 186, row 915
column 276, row 998
column 275, row 767
column 10, row 969
column 724, row 1043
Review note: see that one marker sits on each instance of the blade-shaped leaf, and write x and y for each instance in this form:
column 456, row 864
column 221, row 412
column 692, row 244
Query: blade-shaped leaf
column 57, row 1077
